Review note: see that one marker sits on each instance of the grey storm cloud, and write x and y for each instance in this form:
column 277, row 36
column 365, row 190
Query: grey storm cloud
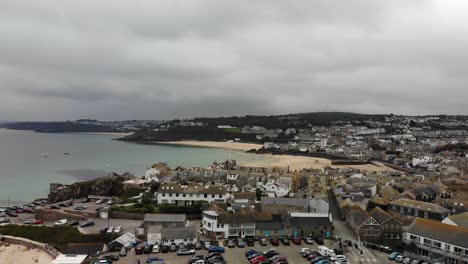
column 174, row 59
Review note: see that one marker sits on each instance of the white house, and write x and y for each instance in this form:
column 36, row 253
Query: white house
column 437, row 241
column 179, row 235
column 173, row 193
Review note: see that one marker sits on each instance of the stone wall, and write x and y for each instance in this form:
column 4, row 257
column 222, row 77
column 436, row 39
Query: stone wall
column 52, row 252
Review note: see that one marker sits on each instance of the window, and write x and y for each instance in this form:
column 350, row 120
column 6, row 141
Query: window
column 163, row 194
column 436, row 244
column 177, row 195
column 206, row 195
column 212, row 196
column 416, row 212
column 183, row 195
column 185, row 240
column 447, row 247
column 425, row 214
column 191, row 194
column 170, row 195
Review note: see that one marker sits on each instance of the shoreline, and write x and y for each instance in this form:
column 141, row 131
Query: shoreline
column 213, row 144
column 294, row 162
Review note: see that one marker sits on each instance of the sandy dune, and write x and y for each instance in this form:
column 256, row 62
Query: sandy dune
column 15, row 254
column 214, row 144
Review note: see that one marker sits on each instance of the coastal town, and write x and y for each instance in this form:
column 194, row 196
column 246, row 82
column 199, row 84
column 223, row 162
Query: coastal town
column 386, row 189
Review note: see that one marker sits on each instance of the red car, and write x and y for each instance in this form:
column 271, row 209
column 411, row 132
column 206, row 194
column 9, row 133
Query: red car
column 261, row 258
column 139, row 250
column 257, row 260
column 296, row 241
column 279, row 259
column 37, row 222
column 312, row 256
column 274, row 242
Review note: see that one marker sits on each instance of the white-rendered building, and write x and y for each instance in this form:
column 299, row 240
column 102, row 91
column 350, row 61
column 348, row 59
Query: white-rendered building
column 173, row 193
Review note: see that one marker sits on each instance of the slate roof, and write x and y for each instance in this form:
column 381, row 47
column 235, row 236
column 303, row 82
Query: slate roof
column 454, row 235
column 179, row 233
column 420, row 205
column 245, row 215
column 245, row 195
column 285, row 201
column 360, row 216
column 165, row 218
column 310, row 221
column 380, row 215
column 460, row 219
column 89, row 249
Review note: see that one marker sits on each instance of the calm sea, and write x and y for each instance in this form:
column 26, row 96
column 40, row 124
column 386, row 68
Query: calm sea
column 25, row 173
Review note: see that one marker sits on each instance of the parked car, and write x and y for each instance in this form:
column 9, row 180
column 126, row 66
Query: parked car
column 154, row 260
column 216, row 249
column 393, row 255
column 251, row 252
column 89, row 223
column 406, row 260
column 110, row 230
column 61, row 222
column 4, row 220
column 148, row 249
column 285, row 241
column 54, row 206
column 80, row 207
column 308, row 241
column 85, row 200
column 155, row 249
column 118, row 229
column 399, row 258
column 250, row 242
column 173, row 248
column 165, row 249
column 198, row 245
column 33, row 222
column 319, row 240
column 274, row 242
column 240, row 243
column 104, row 230
column 206, row 244
column 184, row 252
column 231, row 243
column 100, row 201
column 296, row 241
column 139, row 250
column 111, row 257
column 263, row 242
column 123, row 252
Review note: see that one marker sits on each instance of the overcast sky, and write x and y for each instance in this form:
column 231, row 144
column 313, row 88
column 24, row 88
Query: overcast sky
column 114, row 60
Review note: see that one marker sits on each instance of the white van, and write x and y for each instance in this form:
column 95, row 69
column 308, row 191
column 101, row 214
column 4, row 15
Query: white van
column 323, row 251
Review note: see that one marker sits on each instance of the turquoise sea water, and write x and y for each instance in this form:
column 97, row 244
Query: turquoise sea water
column 25, row 173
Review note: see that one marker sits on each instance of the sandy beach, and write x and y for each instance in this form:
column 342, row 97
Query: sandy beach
column 14, row 254
column 294, row 162
column 215, row 144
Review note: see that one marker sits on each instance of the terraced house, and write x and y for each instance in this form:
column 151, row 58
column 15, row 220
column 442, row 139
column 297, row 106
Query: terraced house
column 411, row 208
column 173, row 193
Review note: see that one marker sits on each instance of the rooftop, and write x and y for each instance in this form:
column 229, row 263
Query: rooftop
column 454, row 235
column 420, row 205
column 171, row 187
column 165, row 218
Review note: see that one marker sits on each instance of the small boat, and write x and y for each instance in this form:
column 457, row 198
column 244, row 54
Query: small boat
column 44, row 155
column 66, row 153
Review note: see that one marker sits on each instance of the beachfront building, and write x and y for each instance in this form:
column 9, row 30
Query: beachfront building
column 438, row 241
column 173, row 193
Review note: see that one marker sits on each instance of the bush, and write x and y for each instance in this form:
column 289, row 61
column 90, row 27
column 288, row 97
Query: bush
column 181, row 209
column 57, row 236
column 131, row 192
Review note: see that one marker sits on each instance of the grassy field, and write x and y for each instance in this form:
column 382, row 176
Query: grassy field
column 233, row 130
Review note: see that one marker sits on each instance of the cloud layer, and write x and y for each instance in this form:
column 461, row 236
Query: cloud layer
column 165, row 59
